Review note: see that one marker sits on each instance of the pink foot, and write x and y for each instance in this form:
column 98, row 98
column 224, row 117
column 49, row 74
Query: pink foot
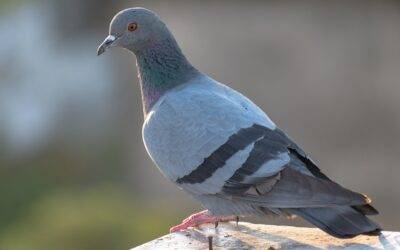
column 198, row 219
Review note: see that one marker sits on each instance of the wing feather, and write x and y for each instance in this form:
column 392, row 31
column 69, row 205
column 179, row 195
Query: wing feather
column 292, row 189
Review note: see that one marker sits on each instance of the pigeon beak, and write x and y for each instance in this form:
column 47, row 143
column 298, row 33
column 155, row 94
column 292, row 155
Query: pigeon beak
column 106, row 44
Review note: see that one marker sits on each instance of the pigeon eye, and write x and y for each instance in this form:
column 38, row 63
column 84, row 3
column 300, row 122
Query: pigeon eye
column 132, row 26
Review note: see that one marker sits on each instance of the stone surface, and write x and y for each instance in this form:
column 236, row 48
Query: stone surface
column 255, row 236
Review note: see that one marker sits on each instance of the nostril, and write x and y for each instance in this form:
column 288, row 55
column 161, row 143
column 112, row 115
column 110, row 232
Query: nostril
column 109, row 40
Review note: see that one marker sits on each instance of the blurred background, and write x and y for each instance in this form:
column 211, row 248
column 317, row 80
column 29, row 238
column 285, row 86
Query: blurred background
column 73, row 170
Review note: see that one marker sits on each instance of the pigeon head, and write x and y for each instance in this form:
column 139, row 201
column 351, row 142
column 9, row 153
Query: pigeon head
column 160, row 62
column 134, row 29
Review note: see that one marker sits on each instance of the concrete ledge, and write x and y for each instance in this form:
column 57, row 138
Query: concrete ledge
column 256, row 236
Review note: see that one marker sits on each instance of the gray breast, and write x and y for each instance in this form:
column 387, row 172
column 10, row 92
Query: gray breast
column 188, row 125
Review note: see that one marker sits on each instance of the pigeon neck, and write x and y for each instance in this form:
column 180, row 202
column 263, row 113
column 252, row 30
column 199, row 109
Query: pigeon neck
column 161, row 67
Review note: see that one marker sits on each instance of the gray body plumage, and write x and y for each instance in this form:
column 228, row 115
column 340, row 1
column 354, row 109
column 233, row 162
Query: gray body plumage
column 221, row 148
column 225, row 152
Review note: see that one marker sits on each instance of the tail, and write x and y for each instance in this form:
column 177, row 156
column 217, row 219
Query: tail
column 340, row 221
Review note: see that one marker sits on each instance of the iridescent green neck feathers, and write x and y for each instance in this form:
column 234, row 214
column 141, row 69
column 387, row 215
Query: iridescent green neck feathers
column 161, row 67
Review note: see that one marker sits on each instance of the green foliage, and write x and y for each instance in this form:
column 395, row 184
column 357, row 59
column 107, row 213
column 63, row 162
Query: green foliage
column 98, row 218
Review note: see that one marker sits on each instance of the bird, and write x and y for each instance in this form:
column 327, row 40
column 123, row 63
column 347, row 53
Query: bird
column 220, row 147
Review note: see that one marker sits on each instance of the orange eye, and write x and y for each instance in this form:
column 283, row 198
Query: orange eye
column 132, row 26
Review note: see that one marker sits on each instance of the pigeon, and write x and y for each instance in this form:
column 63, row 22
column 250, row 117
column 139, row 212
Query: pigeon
column 220, row 147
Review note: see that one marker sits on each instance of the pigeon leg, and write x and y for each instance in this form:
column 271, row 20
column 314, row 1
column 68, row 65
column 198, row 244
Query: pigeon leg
column 200, row 218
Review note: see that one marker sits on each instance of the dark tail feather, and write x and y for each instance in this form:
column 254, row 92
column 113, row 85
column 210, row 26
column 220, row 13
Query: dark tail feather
column 341, row 221
column 366, row 209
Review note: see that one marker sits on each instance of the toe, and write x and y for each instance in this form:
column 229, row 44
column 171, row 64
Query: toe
column 190, row 218
column 174, row 229
column 193, row 217
column 177, row 228
column 181, row 227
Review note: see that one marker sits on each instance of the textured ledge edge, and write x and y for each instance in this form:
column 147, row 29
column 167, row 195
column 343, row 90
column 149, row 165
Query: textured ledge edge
column 259, row 236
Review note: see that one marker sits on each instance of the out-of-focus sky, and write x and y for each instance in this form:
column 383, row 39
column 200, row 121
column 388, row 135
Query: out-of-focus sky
column 73, row 169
